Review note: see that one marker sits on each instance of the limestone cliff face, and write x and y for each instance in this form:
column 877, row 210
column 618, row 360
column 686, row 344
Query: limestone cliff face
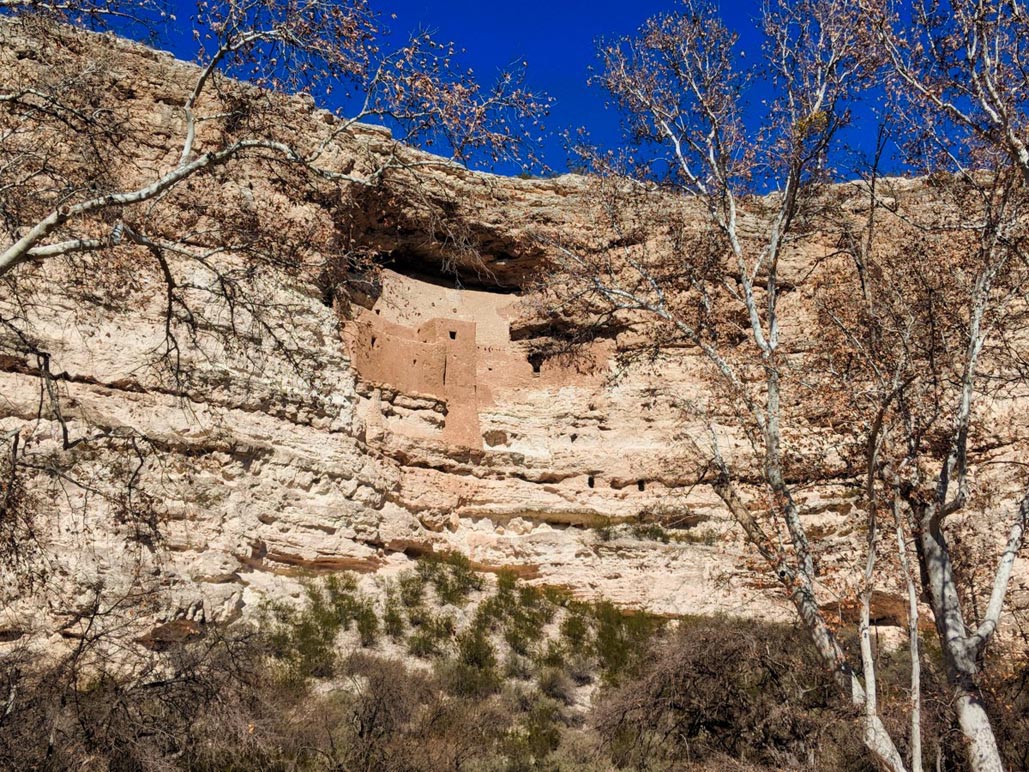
column 416, row 417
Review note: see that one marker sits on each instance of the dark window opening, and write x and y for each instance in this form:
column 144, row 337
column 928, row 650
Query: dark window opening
column 453, row 335
column 328, row 296
column 641, row 484
column 590, row 481
column 373, row 341
column 378, row 310
column 536, row 360
column 574, row 437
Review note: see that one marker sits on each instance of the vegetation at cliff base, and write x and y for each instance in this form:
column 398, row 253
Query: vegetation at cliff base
column 598, row 689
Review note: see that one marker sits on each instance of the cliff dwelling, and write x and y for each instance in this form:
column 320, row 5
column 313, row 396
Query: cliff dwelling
column 450, row 351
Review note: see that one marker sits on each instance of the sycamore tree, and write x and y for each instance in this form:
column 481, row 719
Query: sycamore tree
column 725, row 283
column 945, row 313
column 888, row 354
column 681, row 83
column 922, row 330
column 934, row 332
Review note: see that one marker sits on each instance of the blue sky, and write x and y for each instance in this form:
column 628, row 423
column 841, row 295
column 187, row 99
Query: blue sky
column 557, row 38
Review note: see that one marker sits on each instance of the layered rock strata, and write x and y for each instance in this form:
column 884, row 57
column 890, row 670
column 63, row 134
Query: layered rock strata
column 421, row 418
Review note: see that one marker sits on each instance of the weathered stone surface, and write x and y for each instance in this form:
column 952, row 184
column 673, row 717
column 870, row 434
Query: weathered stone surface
column 424, row 424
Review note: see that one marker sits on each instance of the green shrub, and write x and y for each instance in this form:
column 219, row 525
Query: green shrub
column 419, row 644
column 418, row 615
column 474, row 672
column 519, row 611
column 432, row 635
column 554, row 683
column 558, row 596
column 553, row 655
column 340, row 590
column 518, row 644
column 392, row 619
column 507, row 581
column 411, row 587
column 705, row 536
column 452, row 575
column 490, row 613
column 535, row 599
column 518, row 666
column 650, row 531
column 304, row 639
column 581, row 669
column 621, row 638
column 367, row 622
column 475, row 650
column 575, row 627
column 526, row 619
column 536, row 737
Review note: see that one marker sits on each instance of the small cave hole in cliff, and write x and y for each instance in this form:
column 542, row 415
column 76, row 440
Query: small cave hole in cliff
column 495, row 437
column 536, row 360
column 453, row 335
column 373, row 341
column 590, row 481
column 641, row 485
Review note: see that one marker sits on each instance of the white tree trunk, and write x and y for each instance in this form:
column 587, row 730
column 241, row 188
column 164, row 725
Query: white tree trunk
column 959, row 649
column 983, row 754
column 879, row 742
column 916, row 659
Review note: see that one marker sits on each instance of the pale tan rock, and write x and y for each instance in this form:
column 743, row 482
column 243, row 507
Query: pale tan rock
column 424, row 425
